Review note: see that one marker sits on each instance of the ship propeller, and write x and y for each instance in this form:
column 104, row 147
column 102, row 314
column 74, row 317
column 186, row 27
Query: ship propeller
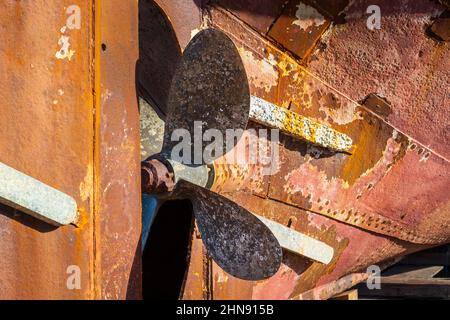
column 210, row 91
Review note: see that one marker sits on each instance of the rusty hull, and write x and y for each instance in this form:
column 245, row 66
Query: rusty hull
column 69, row 118
column 399, row 62
column 71, row 121
column 389, row 196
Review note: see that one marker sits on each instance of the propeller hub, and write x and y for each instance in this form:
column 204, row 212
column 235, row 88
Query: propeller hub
column 156, row 177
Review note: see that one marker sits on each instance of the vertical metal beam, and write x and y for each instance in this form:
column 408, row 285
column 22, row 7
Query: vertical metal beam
column 118, row 197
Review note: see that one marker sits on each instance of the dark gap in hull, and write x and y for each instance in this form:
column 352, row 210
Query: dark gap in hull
column 165, row 258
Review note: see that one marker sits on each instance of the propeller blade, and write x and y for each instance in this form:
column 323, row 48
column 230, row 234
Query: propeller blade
column 237, row 240
column 209, row 91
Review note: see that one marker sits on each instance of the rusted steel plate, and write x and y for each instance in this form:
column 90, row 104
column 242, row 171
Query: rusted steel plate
column 298, row 274
column 383, row 160
column 328, row 290
column 378, row 105
column 118, row 219
column 194, row 91
column 299, row 27
column 383, row 152
column 441, row 26
column 333, row 8
column 337, row 181
column 46, row 131
column 185, row 16
column 258, row 14
column 399, row 62
column 196, row 283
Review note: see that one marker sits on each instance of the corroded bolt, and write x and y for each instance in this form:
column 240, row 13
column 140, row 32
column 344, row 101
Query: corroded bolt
column 156, row 177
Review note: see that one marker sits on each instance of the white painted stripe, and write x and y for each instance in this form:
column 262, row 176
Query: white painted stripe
column 31, row 196
column 299, row 243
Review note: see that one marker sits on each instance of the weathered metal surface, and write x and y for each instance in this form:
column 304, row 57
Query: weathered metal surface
column 31, row 196
column 441, row 26
column 185, row 16
column 196, row 175
column 329, row 290
column 198, row 278
column 46, row 131
column 332, row 8
column 299, row 243
column 258, row 14
column 378, row 148
column 405, row 182
column 152, row 130
column 118, row 188
column 378, row 105
column 294, row 124
column 156, row 177
column 399, row 62
column 299, row 28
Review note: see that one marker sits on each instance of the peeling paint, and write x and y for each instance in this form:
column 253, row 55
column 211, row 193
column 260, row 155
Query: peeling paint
column 194, row 32
column 343, row 115
column 307, row 17
column 87, row 184
column 64, row 52
column 266, row 76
